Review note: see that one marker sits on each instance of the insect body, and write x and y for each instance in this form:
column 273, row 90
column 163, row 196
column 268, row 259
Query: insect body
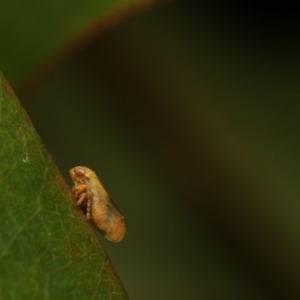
column 96, row 203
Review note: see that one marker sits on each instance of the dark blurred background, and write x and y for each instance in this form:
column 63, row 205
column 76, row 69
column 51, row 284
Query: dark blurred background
column 189, row 114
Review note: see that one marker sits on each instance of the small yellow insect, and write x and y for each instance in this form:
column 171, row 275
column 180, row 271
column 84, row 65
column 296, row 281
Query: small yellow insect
column 96, row 203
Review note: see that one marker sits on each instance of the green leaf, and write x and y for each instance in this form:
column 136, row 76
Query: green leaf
column 47, row 249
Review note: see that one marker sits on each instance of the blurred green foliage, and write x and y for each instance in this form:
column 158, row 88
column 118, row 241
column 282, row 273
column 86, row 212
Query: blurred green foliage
column 189, row 114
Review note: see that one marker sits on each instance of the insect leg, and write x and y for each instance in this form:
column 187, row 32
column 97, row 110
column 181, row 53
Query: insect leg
column 82, row 197
column 88, row 207
column 79, row 188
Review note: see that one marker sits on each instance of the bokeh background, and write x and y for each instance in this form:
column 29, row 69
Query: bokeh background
column 189, row 114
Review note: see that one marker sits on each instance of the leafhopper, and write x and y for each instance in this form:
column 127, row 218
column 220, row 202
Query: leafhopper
column 98, row 207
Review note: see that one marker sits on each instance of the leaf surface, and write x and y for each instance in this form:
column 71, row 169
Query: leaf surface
column 47, row 249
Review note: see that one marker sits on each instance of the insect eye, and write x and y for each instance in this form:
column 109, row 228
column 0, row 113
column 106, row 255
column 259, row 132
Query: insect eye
column 79, row 172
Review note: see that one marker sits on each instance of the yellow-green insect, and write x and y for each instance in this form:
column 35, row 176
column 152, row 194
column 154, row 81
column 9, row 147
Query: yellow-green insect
column 97, row 205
